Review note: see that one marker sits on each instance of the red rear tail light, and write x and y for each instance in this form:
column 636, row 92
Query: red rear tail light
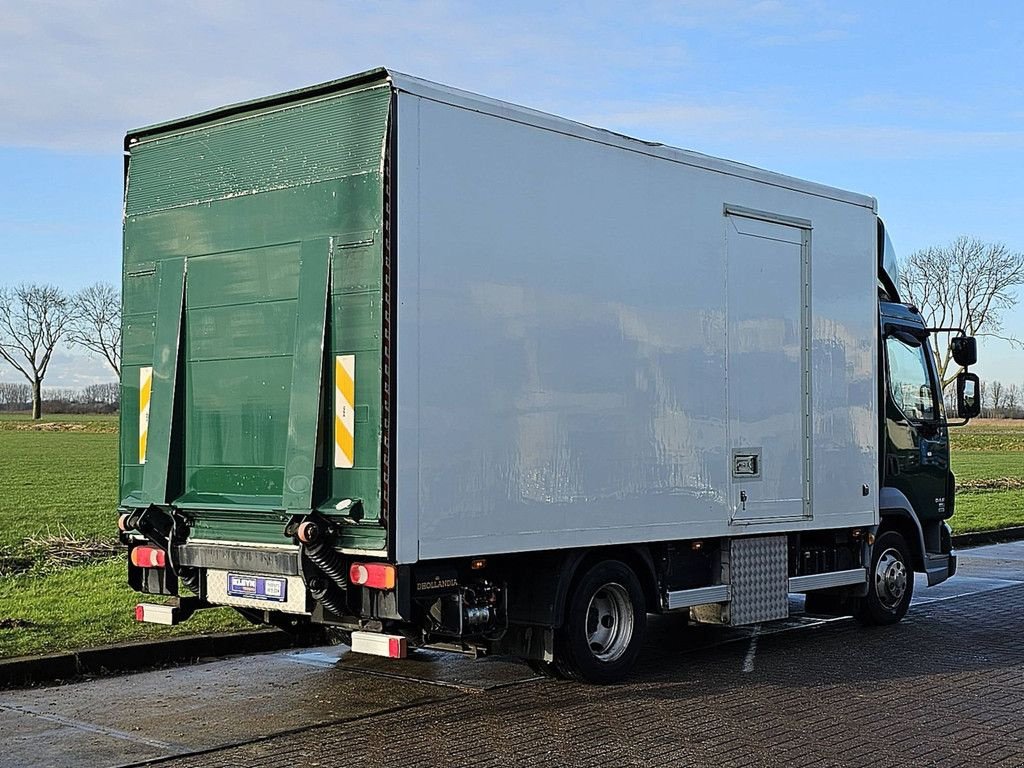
column 148, row 557
column 374, row 575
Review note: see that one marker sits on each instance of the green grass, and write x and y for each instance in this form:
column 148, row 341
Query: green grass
column 988, row 435
column 981, row 465
column 988, row 511
column 988, row 461
column 57, row 482
column 84, row 607
column 54, row 479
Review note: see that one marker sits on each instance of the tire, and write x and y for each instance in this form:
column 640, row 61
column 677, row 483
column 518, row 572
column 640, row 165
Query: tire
column 604, row 627
column 890, row 582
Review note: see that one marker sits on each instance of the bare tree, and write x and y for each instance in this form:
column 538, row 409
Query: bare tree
column 96, row 324
column 108, row 393
column 62, row 395
column 997, row 395
column 966, row 284
column 14, row 395
column 949, row 400
column 1012, row 400
column 33, row 320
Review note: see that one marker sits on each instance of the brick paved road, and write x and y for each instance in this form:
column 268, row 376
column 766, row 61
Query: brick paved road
column 946, row 687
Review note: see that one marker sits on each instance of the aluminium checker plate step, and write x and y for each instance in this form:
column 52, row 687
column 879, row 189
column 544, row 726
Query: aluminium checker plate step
column 756, row 569
column 759, row 576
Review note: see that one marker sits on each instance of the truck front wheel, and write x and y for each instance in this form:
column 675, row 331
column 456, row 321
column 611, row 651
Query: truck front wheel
column 605, row 623
column 890, row 582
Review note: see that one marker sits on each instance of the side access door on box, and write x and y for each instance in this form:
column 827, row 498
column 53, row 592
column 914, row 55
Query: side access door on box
column 768, row 363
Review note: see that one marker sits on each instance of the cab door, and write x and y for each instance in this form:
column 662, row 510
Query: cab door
column 916, row 437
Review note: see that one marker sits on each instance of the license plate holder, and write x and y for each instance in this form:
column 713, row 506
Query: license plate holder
column 271, row 588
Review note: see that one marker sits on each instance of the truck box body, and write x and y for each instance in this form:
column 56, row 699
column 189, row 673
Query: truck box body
column 465, row 328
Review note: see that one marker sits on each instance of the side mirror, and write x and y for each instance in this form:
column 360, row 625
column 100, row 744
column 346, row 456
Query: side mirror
column 964, row 349
column 968, row 394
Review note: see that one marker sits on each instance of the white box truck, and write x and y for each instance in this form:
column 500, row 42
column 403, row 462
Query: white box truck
column 442, row 371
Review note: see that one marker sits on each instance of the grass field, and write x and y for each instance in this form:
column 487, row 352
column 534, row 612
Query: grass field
column 58, row 489
column 53, row 478
column 59, row 479
column 988, row 461
column 83, row 607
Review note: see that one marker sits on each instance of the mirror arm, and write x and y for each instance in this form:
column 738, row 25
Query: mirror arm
column 961, row 334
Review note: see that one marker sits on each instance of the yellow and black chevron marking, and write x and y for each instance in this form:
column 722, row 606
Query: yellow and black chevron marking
column 145, row 391
column 344, row 411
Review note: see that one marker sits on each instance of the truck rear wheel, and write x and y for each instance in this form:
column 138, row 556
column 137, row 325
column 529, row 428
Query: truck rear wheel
column 605, row 623
column 890, row 582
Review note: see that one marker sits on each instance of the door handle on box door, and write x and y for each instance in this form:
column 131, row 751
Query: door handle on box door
column 743, row 500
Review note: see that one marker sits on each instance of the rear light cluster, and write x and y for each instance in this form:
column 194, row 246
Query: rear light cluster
column 373, row 575
column 149, row 557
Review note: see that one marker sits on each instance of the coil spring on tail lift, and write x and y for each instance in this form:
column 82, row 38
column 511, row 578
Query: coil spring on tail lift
column 328, row 599
column 187, row 576
column 328, row 562
column 190, row 578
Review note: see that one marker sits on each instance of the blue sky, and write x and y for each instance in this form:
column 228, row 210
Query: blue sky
column 919, row 104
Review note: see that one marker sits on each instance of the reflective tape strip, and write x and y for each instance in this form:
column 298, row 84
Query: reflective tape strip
column 344, row 411
column 145, row 390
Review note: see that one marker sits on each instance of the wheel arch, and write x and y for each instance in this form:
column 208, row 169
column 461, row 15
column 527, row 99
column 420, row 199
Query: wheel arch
column 637, row 557
column 896, row 513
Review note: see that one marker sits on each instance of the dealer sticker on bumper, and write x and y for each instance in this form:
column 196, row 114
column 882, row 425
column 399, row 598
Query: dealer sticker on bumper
column 257, row 587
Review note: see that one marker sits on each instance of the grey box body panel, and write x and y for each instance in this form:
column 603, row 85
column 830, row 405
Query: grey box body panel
column 589, row 328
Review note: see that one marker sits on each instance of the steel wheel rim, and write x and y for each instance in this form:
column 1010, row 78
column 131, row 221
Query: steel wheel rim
column 609, row 622
column 890, row 578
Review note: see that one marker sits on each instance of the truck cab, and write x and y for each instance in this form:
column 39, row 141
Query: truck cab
column 917, row 486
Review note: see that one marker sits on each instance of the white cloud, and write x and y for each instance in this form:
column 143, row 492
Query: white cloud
column 68, row 370
column 765, row 126
column 77, row 75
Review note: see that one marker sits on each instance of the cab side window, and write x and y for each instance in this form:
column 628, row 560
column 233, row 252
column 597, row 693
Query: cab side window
column 909, row 381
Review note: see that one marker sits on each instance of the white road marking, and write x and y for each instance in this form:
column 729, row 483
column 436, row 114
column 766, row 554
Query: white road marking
column 313, row 659
column 81, row 725
column 991, row 586
column 748, row 662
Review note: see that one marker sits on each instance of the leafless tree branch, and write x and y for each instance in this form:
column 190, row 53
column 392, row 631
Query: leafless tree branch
column 33, row 320
column 96, row 323
column 967, row 284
